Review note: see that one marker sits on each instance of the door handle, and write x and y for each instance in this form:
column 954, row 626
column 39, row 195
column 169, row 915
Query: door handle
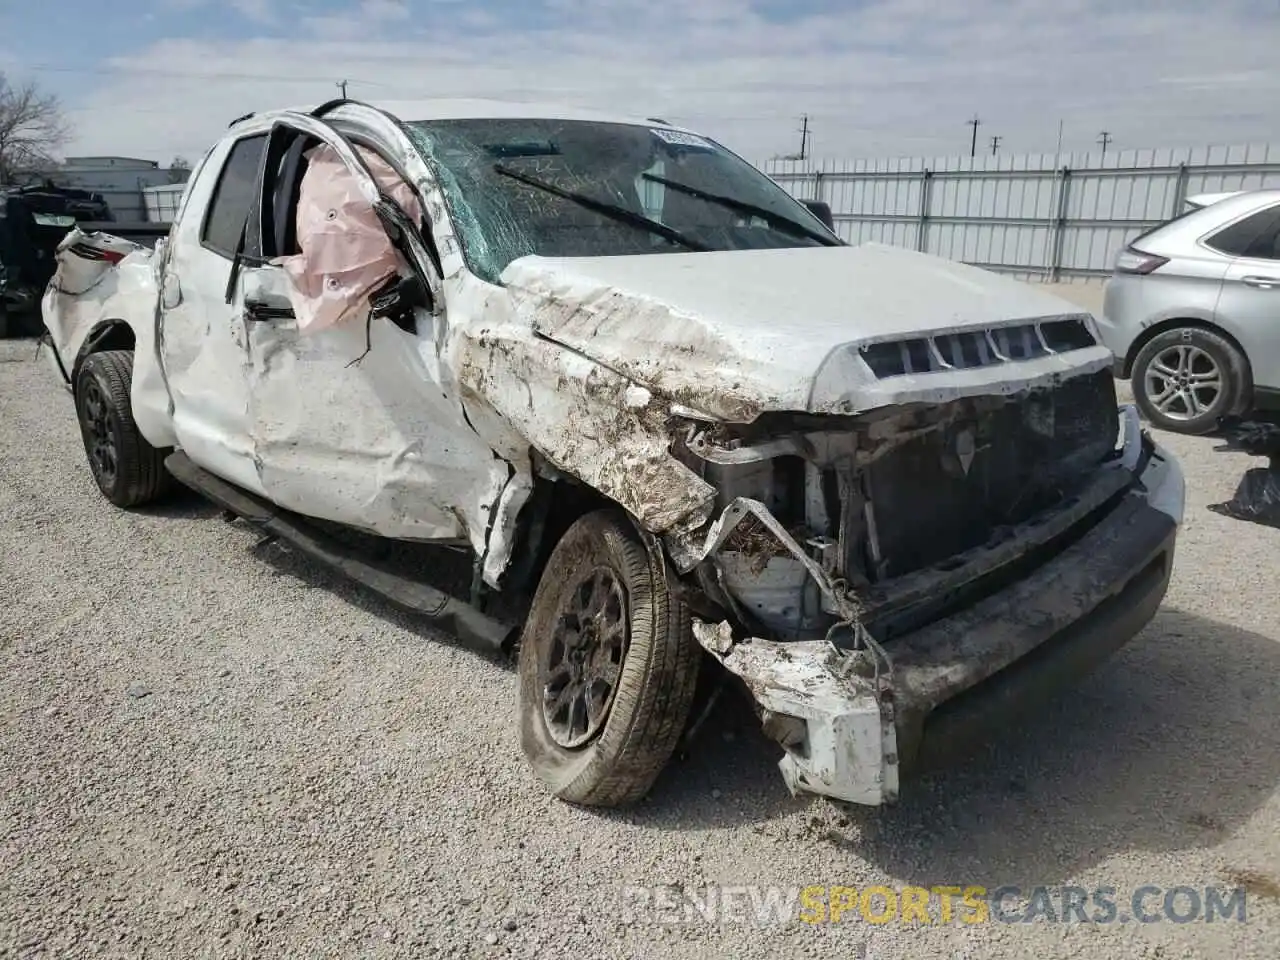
column 262, row 312
column 1262, row 283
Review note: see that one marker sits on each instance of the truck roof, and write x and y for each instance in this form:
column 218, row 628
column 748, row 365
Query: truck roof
column 411, row 111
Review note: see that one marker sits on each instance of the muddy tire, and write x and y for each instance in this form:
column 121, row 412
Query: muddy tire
column 128, row 470
column 608, row 666
column 1187, row 379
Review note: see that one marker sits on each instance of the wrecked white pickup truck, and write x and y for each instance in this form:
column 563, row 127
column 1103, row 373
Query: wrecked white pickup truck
column 662, row 405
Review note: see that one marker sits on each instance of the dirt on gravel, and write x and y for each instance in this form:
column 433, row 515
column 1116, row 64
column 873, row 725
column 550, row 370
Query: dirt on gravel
column 212, row 748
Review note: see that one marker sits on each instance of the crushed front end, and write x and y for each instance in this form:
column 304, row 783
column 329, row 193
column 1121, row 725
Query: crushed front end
column 892, row 586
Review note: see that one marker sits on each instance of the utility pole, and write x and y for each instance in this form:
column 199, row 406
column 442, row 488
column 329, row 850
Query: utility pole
column 342, row 85
column 804, row 137
column 995, row 144
column 975, row 123
column 1104, row 138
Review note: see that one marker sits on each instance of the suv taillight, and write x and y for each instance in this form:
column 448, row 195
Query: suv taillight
column 1132, row 260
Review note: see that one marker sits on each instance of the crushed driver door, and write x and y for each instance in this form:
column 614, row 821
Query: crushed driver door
column 349, row 419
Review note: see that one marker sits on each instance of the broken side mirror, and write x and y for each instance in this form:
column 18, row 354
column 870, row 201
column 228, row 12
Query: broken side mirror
column 398, row 298
column 822, row 211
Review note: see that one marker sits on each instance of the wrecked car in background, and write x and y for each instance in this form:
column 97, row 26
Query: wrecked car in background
column 663, row 406
column 33, row 220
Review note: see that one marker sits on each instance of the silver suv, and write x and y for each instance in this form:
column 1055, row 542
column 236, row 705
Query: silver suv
column 1192, row 312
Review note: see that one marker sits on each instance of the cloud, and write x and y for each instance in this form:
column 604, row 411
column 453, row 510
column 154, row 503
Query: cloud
column 384, row 10
column 258, row 11
column 876, row 78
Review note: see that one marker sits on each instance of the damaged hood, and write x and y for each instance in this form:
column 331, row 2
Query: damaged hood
column 738, row 333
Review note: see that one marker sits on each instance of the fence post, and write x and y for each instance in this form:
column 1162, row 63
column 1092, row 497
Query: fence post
column 1060, row 226
column 1179, row 190
column 922, row 236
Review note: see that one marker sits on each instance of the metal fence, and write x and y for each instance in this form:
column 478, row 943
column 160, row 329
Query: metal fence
column 1042, row 216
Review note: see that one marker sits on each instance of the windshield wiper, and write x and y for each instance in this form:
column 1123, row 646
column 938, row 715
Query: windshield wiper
column 610, row 210
column 775, row 220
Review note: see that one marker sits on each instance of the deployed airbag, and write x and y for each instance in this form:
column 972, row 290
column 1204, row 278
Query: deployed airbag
column 346, row 253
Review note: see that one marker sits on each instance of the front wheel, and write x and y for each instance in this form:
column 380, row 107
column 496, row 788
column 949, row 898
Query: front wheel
column 1186, row 380
column 608, row 666
column 128, row 470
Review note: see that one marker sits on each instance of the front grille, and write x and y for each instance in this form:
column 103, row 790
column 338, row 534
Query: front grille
column 977, row 348
column 954, row 489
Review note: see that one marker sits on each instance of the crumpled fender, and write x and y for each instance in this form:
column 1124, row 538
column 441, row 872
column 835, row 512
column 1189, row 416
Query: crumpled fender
column 100, row 281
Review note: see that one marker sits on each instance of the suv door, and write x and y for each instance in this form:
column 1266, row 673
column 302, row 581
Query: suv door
column 1249, row 302
column 351, row 423
column 201, row 340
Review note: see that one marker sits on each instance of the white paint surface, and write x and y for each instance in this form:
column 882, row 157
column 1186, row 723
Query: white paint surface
column 429, row 435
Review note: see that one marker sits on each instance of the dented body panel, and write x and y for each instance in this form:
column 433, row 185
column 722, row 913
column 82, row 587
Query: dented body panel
column 740, row 333
column 866, row 723
column 104, row 282
column 863, row 464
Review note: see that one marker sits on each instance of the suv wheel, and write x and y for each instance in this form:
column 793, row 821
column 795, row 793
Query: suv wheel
column 1186, row 380
column 608, row 666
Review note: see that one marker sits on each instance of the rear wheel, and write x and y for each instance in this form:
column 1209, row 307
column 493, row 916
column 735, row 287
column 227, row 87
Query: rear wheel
column 1186, row 380
column 128, row 470
column 608, row 666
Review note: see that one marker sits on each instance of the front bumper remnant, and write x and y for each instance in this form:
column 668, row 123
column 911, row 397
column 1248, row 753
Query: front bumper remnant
column 852, row 724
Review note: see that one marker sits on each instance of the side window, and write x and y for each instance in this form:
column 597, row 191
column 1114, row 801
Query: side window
column 229, row 206
column 1267, row 244
column 281, row 186
column 1244, row 236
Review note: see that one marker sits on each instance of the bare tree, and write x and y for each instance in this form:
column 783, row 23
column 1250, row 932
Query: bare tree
column 32, row 128
column 179, row 169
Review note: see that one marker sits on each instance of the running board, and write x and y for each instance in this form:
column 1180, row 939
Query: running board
column 457, row 617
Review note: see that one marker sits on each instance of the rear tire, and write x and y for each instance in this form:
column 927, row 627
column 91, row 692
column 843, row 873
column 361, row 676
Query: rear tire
column 128, row 470
column 608, row 666
column 1187, row 379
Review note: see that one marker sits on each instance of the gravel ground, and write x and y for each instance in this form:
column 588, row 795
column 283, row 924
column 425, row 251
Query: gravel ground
column 212, row 748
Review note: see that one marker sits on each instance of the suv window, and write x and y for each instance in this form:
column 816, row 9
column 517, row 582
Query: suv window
column 1254, row 236
column 1266, row 246
column 229, row 207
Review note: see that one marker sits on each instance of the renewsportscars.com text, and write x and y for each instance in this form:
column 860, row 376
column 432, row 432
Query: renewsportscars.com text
column 908, row 905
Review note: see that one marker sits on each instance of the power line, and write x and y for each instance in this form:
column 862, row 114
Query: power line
column 973, row 146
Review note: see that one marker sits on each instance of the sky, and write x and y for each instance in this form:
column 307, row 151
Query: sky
column 877, row 78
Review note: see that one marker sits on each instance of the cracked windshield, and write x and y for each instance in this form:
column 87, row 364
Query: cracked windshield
column 572, row 188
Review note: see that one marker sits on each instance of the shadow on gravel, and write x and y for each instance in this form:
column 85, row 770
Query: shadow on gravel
column 181, row 504
column 445, row 569
column 1174, row 745
column 727, row 756
column 726, row 775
